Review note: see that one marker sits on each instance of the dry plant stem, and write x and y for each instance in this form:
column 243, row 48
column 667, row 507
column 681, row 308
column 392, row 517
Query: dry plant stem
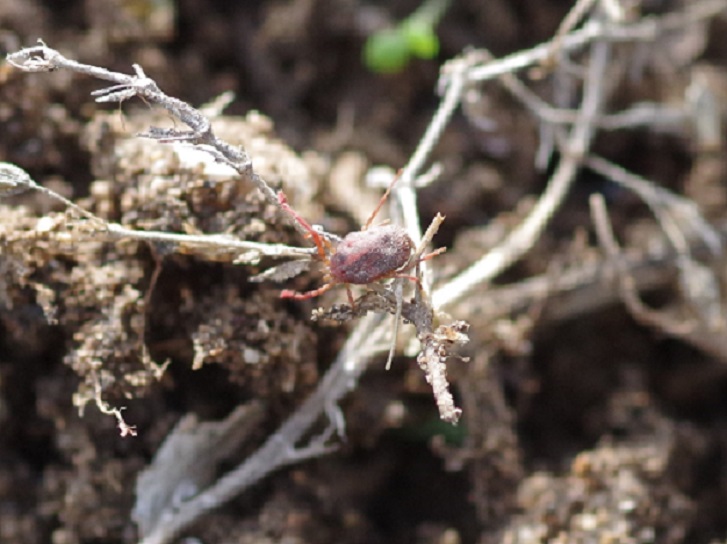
column 613, row 9
column 524, row 236
column 663, row 204
column 672, row 211
column 214, row 242
column 645, row 114
column 42, row 58
column 282, row 449
column 646, row 29
column 452, row 97
column 580, row 290
column 398, row 288
column 679, row 218
column 406, row 195
column 574, row 16
column 16, row 180
column 188, row 460
column 703, row 336
column 607, row 239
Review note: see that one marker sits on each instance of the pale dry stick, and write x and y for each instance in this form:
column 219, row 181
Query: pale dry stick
column 15, row 180
column 664, row 205
column 647, row 29
column 42, row 58
column 656, row 117
column 681, row 221
column 712, row 341
column 576, row 14
column 679, row 218
column 627, row 286
column 212, row 243
column 645, row 114
column 518, row 242
column 397, row 287
column 281, row 449
column 577, row 290
column 406, row 195
column 614, row 10
column 662, row 202
column 421, row 297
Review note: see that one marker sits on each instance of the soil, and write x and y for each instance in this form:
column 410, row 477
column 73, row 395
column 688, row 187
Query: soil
column 581, row 423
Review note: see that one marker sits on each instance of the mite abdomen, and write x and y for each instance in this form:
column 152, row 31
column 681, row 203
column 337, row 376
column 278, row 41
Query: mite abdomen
column 365, row 256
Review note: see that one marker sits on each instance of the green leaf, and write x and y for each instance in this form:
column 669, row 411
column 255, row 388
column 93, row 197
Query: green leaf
column 386, row 51
column 421, row 39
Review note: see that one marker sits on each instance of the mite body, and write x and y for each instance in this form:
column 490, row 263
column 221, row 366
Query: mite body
column 374, row 253
column 369, row 255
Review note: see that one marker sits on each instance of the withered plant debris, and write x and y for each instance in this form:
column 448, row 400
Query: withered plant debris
column 96, row 347
column 42, row 58
column 187, row 461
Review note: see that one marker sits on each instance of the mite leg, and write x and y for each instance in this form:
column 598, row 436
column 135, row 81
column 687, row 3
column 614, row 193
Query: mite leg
column 408, row 277
column 432, row 254
column 350, row 297
column 287, row 293
column 321, row 243
column 381, row 202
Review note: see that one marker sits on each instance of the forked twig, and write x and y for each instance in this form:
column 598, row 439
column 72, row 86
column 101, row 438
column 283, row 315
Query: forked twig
column 42, row 58
column 707, row 336
column 517, row 243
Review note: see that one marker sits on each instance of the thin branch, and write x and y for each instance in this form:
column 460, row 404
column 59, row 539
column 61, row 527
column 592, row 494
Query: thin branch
column 280, row 449
column 209, row 243
column 701, row 333
column 524, row 236
column 454, row 82
column 15, row 180
column 674, row 213
column 576, row 14
column 42, row 58
column 646, row 29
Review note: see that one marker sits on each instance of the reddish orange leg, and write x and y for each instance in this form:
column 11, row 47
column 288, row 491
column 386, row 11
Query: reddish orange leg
column 432, row 254
column 381, row 202
column 407, row 277
column 422, row 258
column 350, row 297
column 288, row 293
column 321, row 243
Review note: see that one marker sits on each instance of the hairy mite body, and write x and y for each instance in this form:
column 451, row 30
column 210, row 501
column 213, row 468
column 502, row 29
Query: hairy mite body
column 363, row 257
column 366, row 256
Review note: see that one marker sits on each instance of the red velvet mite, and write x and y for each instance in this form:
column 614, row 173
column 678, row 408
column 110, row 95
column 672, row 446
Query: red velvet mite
column 371, row 254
